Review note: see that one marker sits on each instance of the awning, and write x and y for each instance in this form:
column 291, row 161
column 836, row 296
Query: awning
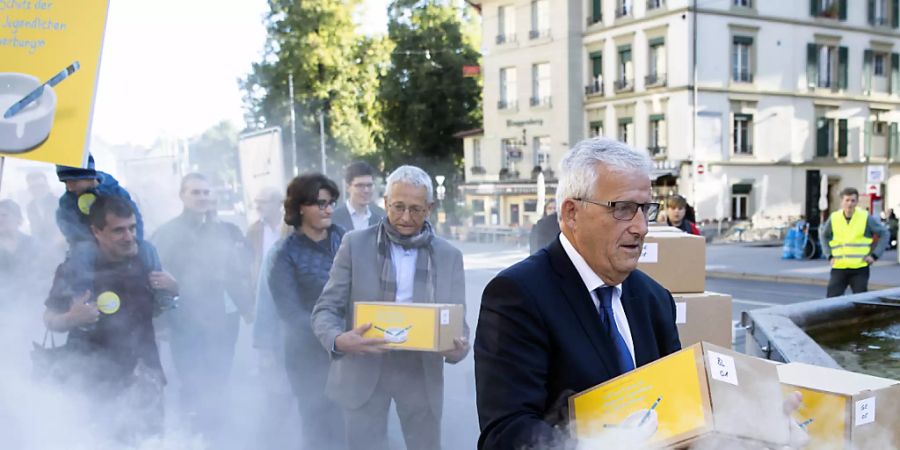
column 741, row 188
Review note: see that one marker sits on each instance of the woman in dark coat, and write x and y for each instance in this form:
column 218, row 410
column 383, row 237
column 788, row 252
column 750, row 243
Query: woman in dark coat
column 299, row 273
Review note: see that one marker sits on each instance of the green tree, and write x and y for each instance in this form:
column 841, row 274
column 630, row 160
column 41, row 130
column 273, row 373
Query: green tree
column 215, row 151
column 425, row 96
column 335, row 71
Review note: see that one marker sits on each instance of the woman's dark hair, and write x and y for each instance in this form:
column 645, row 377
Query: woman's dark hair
column 304, row 190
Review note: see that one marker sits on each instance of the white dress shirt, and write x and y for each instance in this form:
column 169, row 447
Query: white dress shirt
column 270, row 237
column 404, row 261
column 592, row 281
column 360, row 221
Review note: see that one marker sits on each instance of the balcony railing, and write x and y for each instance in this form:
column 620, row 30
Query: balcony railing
column 505, row 38
column 655, row 79
column 537, row 34
column 655, row 4
column 742, row 76
column 657, row 151
column 594, row 88
column 624, row 85
column 543, row 102
column 507, row 104
column 880, row 21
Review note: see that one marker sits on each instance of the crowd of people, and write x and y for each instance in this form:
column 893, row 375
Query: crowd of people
column 574, row 314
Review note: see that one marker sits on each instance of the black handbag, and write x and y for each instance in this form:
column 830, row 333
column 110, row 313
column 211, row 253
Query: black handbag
column 47, row 363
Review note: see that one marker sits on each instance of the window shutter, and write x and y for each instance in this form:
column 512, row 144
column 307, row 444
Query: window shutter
column 895, row 13
column 894, row 142
column 871, row 12
column 812, row 63
column 868, row 56
column 814, row 8
column 596, row 64
column 895, row 73
column 867, row 140
column 842, row 67
column 822, row 137
column 842, row 138
column 596, row 10
column 843, row 10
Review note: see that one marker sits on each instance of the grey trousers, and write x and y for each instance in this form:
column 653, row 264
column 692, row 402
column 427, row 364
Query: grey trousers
column 403, row 381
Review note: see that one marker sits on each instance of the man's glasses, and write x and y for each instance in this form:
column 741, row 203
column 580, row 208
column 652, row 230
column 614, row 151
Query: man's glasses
column 199, row 192
column 414, row 211
column 324, row 204
column 363, row 185
column 626, row 210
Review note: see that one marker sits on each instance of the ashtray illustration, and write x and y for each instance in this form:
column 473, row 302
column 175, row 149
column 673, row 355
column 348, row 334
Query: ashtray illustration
column 395, row 335
column 31, row 126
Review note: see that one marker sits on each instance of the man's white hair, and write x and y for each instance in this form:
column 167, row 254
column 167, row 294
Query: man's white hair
column 578, row 168
column 411, row 175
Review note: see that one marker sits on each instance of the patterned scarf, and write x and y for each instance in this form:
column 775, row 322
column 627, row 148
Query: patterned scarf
column 425, row 276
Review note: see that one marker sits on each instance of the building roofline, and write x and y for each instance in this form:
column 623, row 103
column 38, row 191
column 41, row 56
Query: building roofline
column 469, row 133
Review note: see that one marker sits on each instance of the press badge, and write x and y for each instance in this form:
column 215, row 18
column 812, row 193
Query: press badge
column 108, row 302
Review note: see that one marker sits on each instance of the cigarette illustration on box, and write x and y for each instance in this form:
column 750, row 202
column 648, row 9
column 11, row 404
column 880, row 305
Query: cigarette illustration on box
column 28, row 109
column 394, row 335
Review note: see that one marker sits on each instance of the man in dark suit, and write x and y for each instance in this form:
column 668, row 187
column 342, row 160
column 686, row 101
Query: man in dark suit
column 358, row 212
column 576, row 313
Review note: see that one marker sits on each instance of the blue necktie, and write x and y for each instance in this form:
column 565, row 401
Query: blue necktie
column 608, row 320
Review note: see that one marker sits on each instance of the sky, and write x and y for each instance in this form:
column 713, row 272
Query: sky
column 169, row 68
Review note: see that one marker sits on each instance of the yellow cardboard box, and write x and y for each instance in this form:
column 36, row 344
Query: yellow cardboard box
column 675, row 259
column 704, row 391
column 429, row 327
column 844, row 410
column 703, row 317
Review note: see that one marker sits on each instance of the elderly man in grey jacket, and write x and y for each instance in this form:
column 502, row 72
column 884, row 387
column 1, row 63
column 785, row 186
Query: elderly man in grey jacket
column 400, row 260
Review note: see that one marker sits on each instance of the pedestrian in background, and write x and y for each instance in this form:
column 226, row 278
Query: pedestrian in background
column 301, row 263
column 852, row 240
column 359, row 211
column 546, row 229
column 676, row 215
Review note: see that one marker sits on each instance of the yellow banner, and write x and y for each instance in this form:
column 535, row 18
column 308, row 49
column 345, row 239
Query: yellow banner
column 57, row 42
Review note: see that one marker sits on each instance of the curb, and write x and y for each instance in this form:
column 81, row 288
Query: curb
column 782, row 279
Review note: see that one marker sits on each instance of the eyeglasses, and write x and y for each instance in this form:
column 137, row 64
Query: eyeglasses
column 414, row 211
column 198, row 192
column 324, row 204
column 625, row 210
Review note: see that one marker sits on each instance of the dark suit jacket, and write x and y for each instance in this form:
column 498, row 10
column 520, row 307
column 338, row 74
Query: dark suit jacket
column 543, row 232
column 539, row 341
column 341, row 216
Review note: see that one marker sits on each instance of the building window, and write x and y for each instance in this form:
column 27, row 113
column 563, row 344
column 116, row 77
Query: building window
column 623, row 8
column 656, row 64
column 625, row 75
column 743, row 3
column 655, row 4
column 595, row 128
column 476, row 153
column 832, row 9
column 507, row 88
column 831, row 134
column 540, row 85
column 595, row 86
column 540, row 16
column 541, row 151
column 741, row 69
column 882, row 14
column 878, row 63
column 656, row 142
column 506, row 24
column 478, row 215
column 596, row 12
column 625, row 130
column 739, row 206
column 743, row 134
column 826, row 66
column 511, row 155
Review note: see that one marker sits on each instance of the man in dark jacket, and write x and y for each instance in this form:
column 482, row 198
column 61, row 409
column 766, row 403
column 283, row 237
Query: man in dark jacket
column 546, row 229
column 211, row 261
column 359, row 211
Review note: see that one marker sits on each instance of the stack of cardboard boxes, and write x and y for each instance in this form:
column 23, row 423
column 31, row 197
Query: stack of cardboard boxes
column 677, row 261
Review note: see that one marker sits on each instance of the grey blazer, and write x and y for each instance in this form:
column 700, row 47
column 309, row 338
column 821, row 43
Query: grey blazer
column 355, row 277
column 341, row 216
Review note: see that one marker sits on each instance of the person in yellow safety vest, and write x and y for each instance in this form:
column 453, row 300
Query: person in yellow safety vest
column 852, row 240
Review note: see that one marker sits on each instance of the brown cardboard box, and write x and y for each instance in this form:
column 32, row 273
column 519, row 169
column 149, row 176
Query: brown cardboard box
column 706, row 393
column 429, row 327
column 703, row 317
column 675, row 259
column 848, row 410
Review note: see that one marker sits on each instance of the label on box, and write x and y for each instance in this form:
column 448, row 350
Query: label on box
column 865, row 412
column 680, row 312
column 722, row 367
column 650, row 253
column 445, row 317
